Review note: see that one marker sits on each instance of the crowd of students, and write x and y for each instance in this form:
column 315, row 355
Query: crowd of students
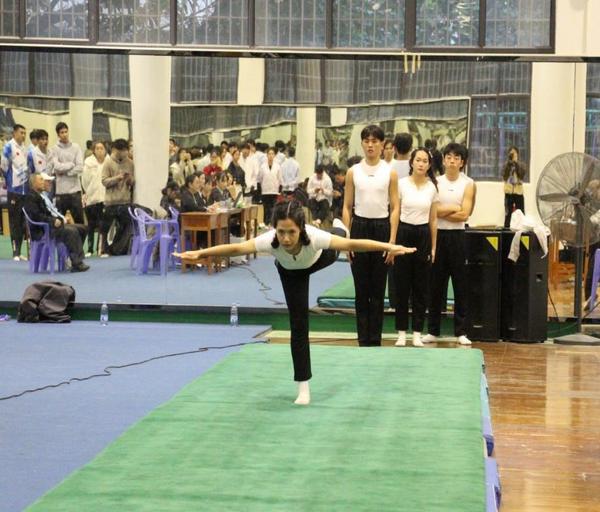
column 99, row 183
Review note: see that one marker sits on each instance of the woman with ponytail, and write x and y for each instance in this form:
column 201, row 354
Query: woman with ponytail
column 418, row 227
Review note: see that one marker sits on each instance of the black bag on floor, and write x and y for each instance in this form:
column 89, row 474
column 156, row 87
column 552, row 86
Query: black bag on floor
column 47, row 301
column 123, row 233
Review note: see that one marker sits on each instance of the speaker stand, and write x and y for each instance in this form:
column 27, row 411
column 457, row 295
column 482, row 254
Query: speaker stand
column 577, row 339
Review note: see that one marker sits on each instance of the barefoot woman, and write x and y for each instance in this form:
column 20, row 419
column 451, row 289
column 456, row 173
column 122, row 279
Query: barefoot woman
column 299, row 251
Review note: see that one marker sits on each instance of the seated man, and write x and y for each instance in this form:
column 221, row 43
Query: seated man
column 39, row 207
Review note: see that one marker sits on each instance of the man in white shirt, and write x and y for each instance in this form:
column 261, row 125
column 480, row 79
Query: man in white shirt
column 38, row 155
column 290, row 173
column 320, row 192
column 16, row 173
column 457, row 200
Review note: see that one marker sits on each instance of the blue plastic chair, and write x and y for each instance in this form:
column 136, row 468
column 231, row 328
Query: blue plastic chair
column 43, row 252
column 161, row 236
column 174, row 229
column 135, row 241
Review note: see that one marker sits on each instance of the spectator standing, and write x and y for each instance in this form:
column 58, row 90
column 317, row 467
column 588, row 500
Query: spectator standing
column 94, row 191
column 270, row 182
column 67, row 166
column 118, row 179
column 337, row 202
column 513, row 175
column 16, row 174
column 290, row 173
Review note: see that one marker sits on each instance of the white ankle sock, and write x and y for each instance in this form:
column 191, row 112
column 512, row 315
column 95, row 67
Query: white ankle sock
column 401, row 341
column 417, row 339
column 303, row 393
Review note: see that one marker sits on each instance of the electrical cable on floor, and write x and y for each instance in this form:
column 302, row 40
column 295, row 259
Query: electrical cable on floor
column 107, row 371
column 264, row 288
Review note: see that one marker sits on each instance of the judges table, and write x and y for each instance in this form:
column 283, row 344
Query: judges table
column 216, row 226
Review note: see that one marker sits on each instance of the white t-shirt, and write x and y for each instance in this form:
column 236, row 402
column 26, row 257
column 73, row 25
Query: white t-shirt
column 415, row 202
column 452, row 192
column 307, row 256
column 401, row 167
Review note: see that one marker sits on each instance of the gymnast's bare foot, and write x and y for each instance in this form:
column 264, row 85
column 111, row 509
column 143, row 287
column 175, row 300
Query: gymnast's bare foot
column 303, row 393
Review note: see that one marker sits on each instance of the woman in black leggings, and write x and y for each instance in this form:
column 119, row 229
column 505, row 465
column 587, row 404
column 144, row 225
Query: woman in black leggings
column 299, row 251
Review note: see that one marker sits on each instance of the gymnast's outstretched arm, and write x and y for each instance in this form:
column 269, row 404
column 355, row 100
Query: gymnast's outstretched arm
column 247, row 247
column 339, row 243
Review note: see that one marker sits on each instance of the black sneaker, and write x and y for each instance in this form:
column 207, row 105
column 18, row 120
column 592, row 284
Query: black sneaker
column 82, row 267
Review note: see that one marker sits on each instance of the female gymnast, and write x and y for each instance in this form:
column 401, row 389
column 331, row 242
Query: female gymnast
column 299, row 251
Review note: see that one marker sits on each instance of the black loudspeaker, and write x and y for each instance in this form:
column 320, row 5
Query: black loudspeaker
column 524, row 308
column 484, row 264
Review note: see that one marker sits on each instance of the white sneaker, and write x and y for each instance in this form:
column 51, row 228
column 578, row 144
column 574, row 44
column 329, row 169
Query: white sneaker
column 429, row 338
column 88, row 254
column 401, row 341
column 16, row 258
column 337, row 223
column 463, row 340
column 23, row 258
column 104, row 255
column 417, row 342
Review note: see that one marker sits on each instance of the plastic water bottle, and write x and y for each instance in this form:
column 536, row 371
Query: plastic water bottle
column 104, row 314
column 233, row 315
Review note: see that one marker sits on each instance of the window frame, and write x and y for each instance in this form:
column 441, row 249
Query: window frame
column 410, row 45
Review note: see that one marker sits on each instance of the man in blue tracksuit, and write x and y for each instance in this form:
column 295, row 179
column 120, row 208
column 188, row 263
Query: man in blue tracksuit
column 16, row 173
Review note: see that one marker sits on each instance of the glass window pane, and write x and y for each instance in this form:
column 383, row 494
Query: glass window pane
column 323, row 117
column 52, row 73
column 368, row 23
column 224, row 78
column 513, row 128
column 485, row 79
column 289, row 23
column 119, row 76
column 308, row 81
column 592, row 127
column 457, row 79
column 447, row 22
column 190, row 79
column 483, row 152
column 497, row 125
column 386, row 81
column 14, row 72
column 515, row 77
column 101, row 127
column 134, row 21
column 363, row 81
column 9, row 18
column 425, row 83
column 212, row 22
column 280, row 80
column 593, row 78
column 517, row 23
column 204, row 79
column 90, row 75
column 61, row 19
column 339, row 82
